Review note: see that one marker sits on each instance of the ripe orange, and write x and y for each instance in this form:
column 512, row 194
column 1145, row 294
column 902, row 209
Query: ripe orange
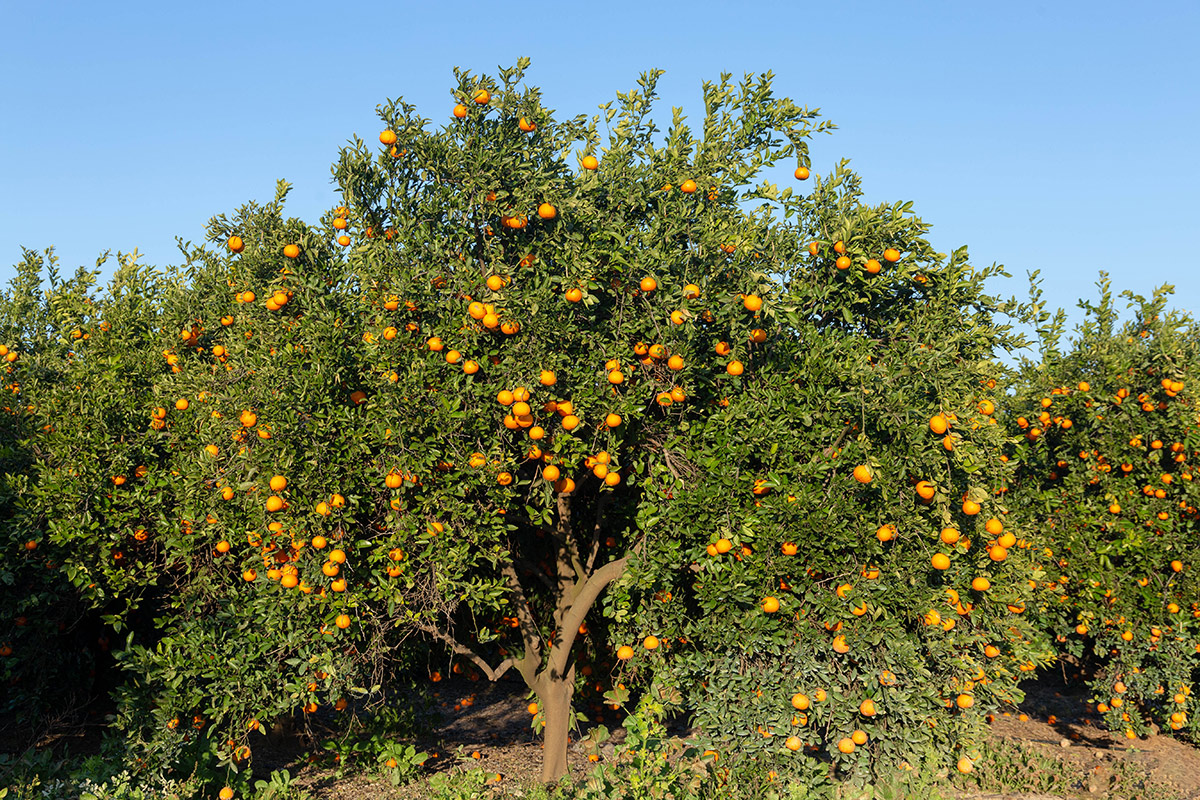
column 938, row 424
column 574, row 295
column 891, row 254
column 612, row 420
column 526, row 126
column 867, row 708
column 650, row 643
column 793, row 743
column 624, row 652
column 845, row 745
column 482, row 96
column 226, row 793
column 925, row 490
column 342, row 621
column 590, row 162
column 872, row 266
column 460, row 111
column 735, row 368
column 839, row 247
column 981, row 584
column 770, row 605
column 236, row 244
column 886, row 533
column 863, row 473
column 291, row 251
column 800, row 701
column 965, row 765
column 802, row 173
column 688, row 186
column 547, row 211
column 387, row 137
column 752, row 302
column 843, row 262
column 940, row 561
column 648, row 284
column 859, row 737
column 950, row 535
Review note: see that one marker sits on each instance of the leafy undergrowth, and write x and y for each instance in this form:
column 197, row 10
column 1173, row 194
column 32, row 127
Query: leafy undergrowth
column 485, row 749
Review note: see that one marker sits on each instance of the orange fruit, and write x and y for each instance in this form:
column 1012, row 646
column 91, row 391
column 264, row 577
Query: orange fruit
column 863, row 473
column 859, row 737
column 801, row 173
column 482, row 96
column 460, row 111
column 867, row 708
column 236, row 244
column 342, row 621
column 752, row 302
column 950, row 535
column 387, row 137
column 735, row 368
column 688, row 186
column 574, row 295
column 526, row 126
column 590, row 162
column 846, row 745
column 291, row 251
column 925, row 490
column 770, row 605
column 981, row 584
column 891, row 254
column 648, row 284
column 938, row 424
column 650, row 643
column 843, row 262
column 940, row 561
column 624, row 652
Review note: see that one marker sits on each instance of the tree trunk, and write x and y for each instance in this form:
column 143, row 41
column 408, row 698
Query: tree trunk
column 555, row 692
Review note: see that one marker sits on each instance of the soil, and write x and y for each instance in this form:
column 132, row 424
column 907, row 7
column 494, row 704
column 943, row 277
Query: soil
column 491, row 731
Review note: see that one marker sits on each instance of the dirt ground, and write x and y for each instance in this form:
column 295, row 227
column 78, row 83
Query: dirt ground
column 495, row 727
column 486, row 726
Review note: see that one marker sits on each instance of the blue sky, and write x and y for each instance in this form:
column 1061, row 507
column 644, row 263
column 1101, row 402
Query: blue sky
column 1058, row 136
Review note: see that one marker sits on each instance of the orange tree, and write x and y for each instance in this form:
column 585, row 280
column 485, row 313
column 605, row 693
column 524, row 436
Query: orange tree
column 851, row 581
column 1108, row 432
column 50, row 642
column 536, row 328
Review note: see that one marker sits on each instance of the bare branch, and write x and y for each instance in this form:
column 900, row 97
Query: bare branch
column 577, row 611
column 597, row 527
column 493, row 674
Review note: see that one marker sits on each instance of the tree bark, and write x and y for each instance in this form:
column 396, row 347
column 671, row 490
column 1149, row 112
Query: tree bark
column 555, row 691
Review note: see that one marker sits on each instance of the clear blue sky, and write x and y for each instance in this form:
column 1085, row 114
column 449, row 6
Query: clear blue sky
column 1060, row 136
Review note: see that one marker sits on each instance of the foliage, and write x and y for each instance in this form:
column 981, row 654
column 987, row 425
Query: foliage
column 1109, row 427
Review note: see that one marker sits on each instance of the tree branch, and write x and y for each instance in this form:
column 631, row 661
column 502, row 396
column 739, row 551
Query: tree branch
column 493, row 674
column 578, row 609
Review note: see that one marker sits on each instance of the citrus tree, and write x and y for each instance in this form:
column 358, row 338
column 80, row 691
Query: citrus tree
column 1108, row 433
column 51, row 641
column 537, row 325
